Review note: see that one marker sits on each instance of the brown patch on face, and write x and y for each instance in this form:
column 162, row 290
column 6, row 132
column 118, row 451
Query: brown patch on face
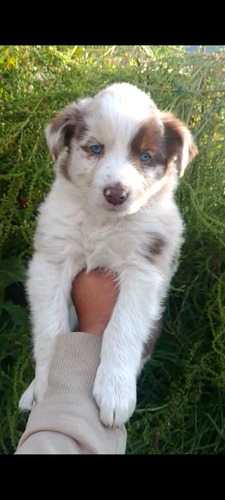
column 81, row 127
column 75, row 126
column 70, row 123
column 148, row 347
column 64, row 168
column 147, row 140
column 165, row 139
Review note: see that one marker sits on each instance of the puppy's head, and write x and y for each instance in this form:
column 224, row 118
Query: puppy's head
column 118, row 149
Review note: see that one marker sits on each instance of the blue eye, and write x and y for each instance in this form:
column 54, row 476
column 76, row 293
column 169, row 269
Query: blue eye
column 96, row 149
column 145, row 157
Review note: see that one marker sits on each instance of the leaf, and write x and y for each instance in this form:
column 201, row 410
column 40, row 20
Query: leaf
column 12, row 271
column 16, row 312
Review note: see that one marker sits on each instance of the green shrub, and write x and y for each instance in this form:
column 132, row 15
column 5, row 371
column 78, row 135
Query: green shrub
column 181, row 392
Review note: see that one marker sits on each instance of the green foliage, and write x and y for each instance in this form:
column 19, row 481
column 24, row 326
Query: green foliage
column 181, row 392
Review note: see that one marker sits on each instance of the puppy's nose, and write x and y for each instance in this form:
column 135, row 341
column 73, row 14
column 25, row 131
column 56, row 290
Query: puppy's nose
column 116, row 194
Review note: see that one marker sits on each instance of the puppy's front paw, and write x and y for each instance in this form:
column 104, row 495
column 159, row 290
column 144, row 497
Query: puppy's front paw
column 115, row 394
column 26, row 402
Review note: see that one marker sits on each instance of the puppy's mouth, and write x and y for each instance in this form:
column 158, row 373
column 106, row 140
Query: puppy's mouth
column 119, row 209
column 122, row 210
column 126, row 208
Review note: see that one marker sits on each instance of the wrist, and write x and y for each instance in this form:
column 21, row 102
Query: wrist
column 96, row 328
column 73, row 365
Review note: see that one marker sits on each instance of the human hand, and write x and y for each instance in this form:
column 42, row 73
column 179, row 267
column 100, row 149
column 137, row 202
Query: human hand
column 94, row 296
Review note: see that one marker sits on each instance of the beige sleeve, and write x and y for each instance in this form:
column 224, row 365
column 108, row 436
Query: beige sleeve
column 67, row 420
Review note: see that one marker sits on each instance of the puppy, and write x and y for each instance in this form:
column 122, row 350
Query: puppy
column 117, row 162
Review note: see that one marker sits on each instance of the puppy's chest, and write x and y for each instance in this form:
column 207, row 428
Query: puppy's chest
column 110, row 244
column 90, row 241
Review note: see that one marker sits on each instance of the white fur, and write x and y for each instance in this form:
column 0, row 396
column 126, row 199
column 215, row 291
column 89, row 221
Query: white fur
column 77, row 228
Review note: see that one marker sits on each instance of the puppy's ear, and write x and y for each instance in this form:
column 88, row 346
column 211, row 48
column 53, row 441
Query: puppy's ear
column 178, row 142
column 68, row 124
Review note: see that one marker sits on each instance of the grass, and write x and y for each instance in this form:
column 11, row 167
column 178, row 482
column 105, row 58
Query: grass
column 181, row 393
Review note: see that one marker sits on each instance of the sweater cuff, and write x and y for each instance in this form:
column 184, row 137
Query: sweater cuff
column 74, row 364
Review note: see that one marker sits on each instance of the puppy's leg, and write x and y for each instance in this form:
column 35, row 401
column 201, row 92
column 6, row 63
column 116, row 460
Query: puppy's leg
column 48, row 289
column 134, row 316
column 27, row 399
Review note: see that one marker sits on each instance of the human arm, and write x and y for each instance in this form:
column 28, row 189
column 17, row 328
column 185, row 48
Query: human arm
column 67, row 420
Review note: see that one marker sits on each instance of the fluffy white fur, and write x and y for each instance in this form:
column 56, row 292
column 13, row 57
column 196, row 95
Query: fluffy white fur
column 79, row 229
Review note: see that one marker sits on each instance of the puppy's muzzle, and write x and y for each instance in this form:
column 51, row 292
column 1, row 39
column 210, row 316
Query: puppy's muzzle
column 116, row 195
